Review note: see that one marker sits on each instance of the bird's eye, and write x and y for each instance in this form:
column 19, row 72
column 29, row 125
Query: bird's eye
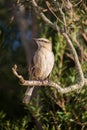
column 43, row 41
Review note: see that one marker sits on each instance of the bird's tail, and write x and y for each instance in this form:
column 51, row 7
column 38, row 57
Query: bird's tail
column 28, row 95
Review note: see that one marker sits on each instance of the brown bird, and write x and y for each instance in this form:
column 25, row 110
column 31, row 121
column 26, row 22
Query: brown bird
column 42, row 64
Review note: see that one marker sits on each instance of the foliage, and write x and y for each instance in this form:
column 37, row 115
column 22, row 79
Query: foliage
column 49, row 109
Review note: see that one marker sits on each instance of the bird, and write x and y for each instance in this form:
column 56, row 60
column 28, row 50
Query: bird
column 41, row 65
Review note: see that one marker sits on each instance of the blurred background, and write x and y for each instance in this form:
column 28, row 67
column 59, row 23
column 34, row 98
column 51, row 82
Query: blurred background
column 48, row 110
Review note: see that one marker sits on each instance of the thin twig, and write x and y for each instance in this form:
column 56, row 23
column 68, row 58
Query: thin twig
column 21, row 79
column 77, row 3
column 49, row 7
column 64, row 20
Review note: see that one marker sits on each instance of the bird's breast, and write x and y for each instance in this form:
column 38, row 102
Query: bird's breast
column 43, row 63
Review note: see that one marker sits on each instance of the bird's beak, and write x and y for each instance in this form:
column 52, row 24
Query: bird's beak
column 35, row 40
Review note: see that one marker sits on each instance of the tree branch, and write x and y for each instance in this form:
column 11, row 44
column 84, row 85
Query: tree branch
column 43, row 83
column 44, row 18
column 77, row 63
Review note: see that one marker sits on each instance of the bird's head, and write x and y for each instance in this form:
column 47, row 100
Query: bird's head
column 43, row 42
